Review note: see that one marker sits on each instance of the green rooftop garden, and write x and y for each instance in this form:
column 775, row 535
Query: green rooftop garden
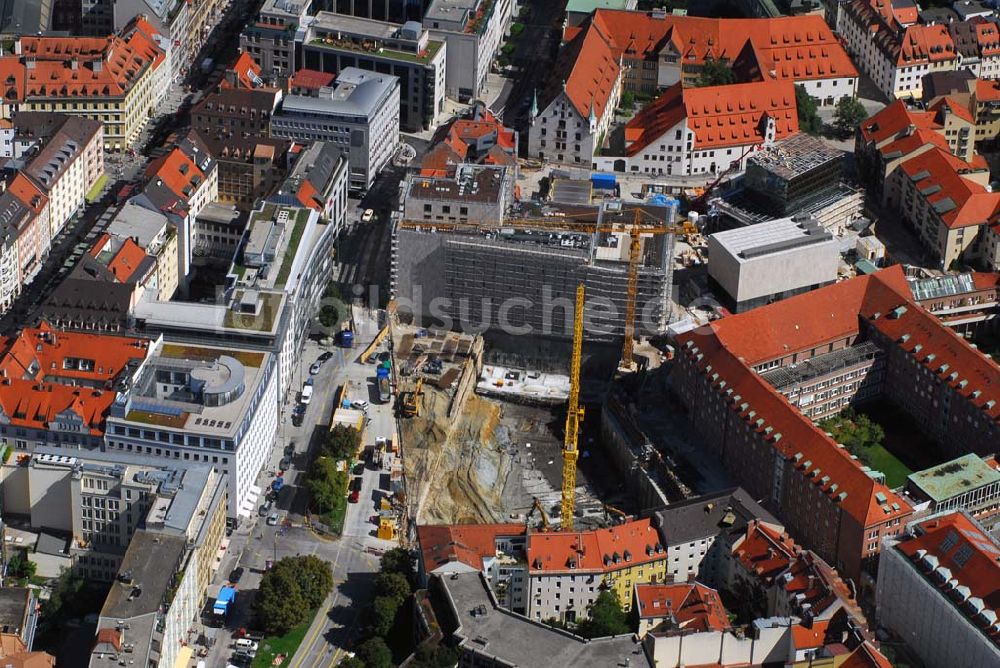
column 263, row 321
column 293, row 244
column 158, row 419
column 432, row 49
column 179, row 351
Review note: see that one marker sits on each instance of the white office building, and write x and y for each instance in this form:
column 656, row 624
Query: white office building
column 359, row 115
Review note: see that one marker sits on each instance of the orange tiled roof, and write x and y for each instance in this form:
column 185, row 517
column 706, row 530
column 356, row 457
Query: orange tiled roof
column 312, row 79
column 243, row 67
column 797, row 47
column 466, row 543
column 987, row 37
column 948, row 103
column 43, row 351
column 733, row 344
column 588, row 71
column 894, row 119
column 599, row 550
column 12, row 76
column 987, row 90
column 955, row 543
column 28, row 193
column 765, row 551
column 127, row 260
column 440, row 160
column 104, row 66
column 809, row 637
column 866, row 655
column 178, row 172
column 692, row 605
column 920, row 43
column 959, row 201
column 27, row 403
column 719, row 116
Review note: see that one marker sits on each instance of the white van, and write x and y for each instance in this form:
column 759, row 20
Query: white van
column 249, row 645
column 307, row 393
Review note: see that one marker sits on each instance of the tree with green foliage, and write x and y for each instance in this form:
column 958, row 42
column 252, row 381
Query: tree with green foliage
column 351, row 662
column 290, row 590
column 809, row 120
column 856, row 431
column 20, row 567
column 325, row 484
column 374, row 653
column 329, row 316
column 279, row 604
column 392, row 585
column 342, row 442
column 435, row 656
column 398, row 560
column 382, row 615
column 715, row 73
column 606, row 618
column 848, row 115
column 627, row 101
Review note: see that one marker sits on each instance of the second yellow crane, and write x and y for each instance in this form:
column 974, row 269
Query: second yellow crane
column 574, row 416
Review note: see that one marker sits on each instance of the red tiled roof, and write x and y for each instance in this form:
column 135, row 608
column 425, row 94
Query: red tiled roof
column 308, row 196
column 809, row 637
column 12, row 76
column 312, row 79
column 41, row 352
column 691, row 606
column 895, row 118
column 733, row 344
column 718, row 115
column 985, row 280
column 925, row 43
column 178, row 172
column 912, row 142
column 987, row 37
column 790, row 47
column 27, row 403
column 127, row 260
column 971, row 559
column 122, row 60
column 945, row 354
column 599, row 550
column 987, row 90
column 765, row 551
column 243, row 67
column 589, row 71
column 440, row 160
column 866, row 655
column 25, row 190
column 442, row 544
column 959, row 201
column 950, row 104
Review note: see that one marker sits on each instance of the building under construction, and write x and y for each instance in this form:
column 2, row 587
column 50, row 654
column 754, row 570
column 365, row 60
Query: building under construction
column 521, row 276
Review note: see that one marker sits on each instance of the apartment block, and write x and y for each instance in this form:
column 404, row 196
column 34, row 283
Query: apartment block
column 334, row 42
column 118, row 80
column 237, row 112
column 473, row 31
column 935, row 591
column 271, row 39
column 934, row 375
column 152, row 233
column 359, row 115
column 966, row 302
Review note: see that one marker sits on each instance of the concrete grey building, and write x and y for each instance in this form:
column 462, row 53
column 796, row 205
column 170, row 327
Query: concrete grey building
column 763, row 263
column 359, row 115
column 271, row 40
column 474, row 31
column 968, row 483
column 521, row 274
column 333, row 42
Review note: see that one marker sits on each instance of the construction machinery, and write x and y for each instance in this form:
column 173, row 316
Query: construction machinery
column 410, row 405
column 537, row 505
column 610, row 510
column 574, row 416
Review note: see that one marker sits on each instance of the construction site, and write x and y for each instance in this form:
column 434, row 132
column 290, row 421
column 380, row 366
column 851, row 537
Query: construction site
column 521, row 275
column 494, row 426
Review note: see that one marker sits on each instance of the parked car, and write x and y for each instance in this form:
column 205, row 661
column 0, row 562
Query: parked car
column 354, row 497
column 367, row 216
column 314, row 369
column 272, row 520
column 235, row 576
column 285, row 464
column 290, row 449
column 361, row 405
column 325, row 356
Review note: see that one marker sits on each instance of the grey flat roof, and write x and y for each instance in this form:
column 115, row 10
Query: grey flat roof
column 776, row 236
column 13, row 604
column 355, row 93
column 821, row 365
column 355, row 25
column 139, row 222
column 703, row 516
column 451, row 10
column 517, row 641
column 150, row 560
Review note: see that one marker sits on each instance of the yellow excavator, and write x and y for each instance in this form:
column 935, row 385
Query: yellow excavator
column 411, row 404
column 537, row 505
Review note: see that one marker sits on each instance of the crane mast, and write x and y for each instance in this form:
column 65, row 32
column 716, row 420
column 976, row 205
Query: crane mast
column 574, row 415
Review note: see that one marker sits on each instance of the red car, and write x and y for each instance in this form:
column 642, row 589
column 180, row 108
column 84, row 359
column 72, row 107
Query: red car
column 354, row 496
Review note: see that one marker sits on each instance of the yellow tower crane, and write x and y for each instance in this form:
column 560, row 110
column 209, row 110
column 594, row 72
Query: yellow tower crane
column 574, row 415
